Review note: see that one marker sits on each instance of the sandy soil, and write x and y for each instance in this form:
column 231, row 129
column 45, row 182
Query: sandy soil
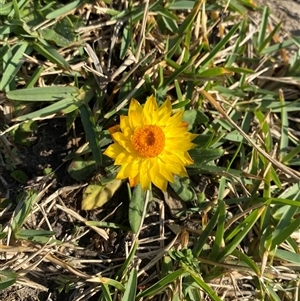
column 286, row 11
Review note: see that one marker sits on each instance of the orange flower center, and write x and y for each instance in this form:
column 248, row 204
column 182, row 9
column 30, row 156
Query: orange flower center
column 148, row 140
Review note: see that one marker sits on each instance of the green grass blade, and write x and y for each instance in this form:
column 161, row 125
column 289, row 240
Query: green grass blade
column 127, row 262
column 199, row 243
column 239, row 233
column 51, row 54
column 218, row 242
column 23, row 212
column 160, row 285
column 279, row 237
column 53, row 93
column 131, row 286
column 277, row 47
column 288, row 256
column 65, row 9
column 270, row 37
column 263, row 29
column 16, row 10
column 218, row 47
column 64, row 106
column 284, row 139
column 206, row 288
column 242, row 257
column 92, row 136
column 14, row 63
column 106, row 292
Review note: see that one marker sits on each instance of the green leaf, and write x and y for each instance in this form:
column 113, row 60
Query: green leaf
column 19, row 176
column 182, row 187
column 80, row 169
column 136, row 207
column 131, row 286
column 205, row 287
column 194, row 117
column 5, row 9
column 64, row 9
column 14, row 63
column 37, row 236
column 106, row 292
column 92, row 136
column 288, row 256
column 53, row 93
column 202, row 156
column 7, row 278
column 62, row 35
column 24, row 211
column 96, row 195
column 50, row 53
column 161, row 284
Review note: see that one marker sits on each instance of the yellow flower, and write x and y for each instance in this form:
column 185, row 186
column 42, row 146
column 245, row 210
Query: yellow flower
column 151, row 144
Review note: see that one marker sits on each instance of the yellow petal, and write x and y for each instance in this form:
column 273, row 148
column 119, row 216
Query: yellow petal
column 175, row 120
column 128, row 170
column 164, row 113
column 124, row 142
column 144, row 175
column 124, row 157
column 165, row 172
column 114, row 150
column 159, row 175
column 124, row 122
column 178, row 144
column 114, row 129
column 160, row 182
column 135, row 106
column 135, row 120
column 175, row 132
column 150, row 111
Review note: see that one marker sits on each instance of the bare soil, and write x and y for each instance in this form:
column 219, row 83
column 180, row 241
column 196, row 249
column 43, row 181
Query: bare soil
column 287, row 12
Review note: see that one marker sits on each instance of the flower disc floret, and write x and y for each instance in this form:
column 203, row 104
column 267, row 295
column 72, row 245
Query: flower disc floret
column 148, row 140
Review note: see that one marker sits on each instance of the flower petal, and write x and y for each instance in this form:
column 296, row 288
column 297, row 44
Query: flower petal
column 135, row 106
column 175, row 120
column 135, row 119
column 150, row 111
column 144, row 175
column 164, row 113
column 124, row 142
column 114, row 150
column 129, row 170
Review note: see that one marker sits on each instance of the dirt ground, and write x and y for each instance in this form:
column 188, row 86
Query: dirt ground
column 286, row 11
